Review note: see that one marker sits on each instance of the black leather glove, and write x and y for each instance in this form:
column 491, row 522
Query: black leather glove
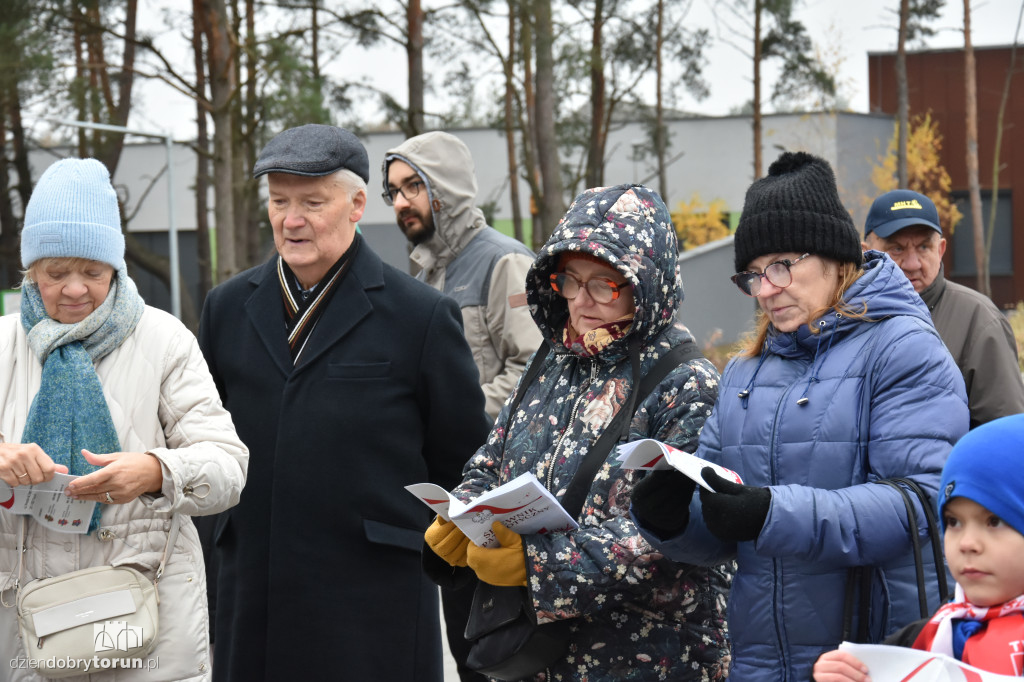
column 661, row 501
column 734, row 512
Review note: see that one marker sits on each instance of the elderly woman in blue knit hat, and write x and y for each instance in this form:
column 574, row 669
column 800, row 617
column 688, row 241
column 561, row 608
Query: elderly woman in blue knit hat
column 95, row 384
column 843, row 383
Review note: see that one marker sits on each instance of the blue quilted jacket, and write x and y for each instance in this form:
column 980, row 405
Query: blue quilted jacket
column 884, row 399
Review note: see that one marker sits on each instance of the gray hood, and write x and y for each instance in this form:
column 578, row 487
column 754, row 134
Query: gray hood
column 445, row 164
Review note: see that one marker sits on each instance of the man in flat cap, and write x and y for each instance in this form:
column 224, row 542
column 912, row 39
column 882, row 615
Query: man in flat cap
column 905, row 224
column 348, row 380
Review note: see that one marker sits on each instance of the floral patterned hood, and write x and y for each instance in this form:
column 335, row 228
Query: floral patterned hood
column 628, row 226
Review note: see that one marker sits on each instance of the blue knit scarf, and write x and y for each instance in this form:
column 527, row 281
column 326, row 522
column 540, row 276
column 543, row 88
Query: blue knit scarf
column 69, row 412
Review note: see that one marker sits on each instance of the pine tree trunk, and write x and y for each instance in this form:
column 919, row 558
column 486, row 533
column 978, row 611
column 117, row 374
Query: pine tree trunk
column 415, row 54
column 552, row 207
column 758, row 163
column 659, row 107
column 973, row 183
column 510, row 128
column 595, row 151
column 903, row 97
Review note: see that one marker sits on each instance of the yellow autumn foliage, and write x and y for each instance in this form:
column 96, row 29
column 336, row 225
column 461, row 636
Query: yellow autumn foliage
column 697, row 223
column 1016, row 320
column 925, row 172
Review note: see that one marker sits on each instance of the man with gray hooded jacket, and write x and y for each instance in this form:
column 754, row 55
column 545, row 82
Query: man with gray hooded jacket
column 430, row 181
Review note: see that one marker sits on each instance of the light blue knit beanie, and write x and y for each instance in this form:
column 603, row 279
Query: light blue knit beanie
column 73, row 213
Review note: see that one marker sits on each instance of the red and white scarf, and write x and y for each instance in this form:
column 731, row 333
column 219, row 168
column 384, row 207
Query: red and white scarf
column 999, row 648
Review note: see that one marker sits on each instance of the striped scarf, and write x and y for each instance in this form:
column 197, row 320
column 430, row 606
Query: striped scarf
column 69, row 413
column 301, row 313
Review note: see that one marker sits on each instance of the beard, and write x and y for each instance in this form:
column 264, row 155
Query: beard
column 419, row 231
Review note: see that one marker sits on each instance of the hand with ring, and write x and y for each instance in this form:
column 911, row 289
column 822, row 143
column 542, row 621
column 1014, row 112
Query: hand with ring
column 25, row 464
column 123, row 477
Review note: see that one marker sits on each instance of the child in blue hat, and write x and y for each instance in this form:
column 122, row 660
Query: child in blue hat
column 982, row 509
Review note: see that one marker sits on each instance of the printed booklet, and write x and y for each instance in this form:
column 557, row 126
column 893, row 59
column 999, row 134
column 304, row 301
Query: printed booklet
column 47, row 504
column 651, row 454
column 522, row 504
column 899, row 664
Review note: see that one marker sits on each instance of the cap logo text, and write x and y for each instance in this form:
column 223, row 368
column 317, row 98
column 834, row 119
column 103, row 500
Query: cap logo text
column 900, row 205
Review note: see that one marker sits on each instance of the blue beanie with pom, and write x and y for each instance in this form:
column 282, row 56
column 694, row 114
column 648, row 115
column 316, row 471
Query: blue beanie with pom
column 987, row 467
column 73, row 213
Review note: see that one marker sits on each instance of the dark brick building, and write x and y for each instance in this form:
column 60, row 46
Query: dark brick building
column 936, row 83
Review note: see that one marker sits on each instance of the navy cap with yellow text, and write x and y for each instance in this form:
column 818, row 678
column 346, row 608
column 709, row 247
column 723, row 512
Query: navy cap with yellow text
column 898, row 209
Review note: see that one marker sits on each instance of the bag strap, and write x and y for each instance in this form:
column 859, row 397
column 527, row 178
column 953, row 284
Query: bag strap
column 579, row 487
column 172, row 537
column 915, row 542
column 933, row 533
column 531, row 373
column 861, row 575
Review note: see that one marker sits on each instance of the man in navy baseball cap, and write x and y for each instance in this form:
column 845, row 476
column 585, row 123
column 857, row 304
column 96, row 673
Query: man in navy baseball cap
column 898, row 209
column 905, row 224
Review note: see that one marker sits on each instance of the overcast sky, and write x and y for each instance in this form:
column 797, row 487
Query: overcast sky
column 847, row 29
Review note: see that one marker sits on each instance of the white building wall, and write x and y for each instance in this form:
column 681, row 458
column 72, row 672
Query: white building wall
column 710, row 157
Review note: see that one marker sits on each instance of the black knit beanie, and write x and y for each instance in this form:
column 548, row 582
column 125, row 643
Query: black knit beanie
column 796, row 208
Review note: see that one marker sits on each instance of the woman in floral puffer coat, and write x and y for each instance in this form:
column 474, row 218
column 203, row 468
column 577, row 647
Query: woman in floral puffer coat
column 634, row 614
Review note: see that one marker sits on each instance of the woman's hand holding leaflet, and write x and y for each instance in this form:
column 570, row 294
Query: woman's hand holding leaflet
column 504, row 566
column 734, row 512
column 447, row 541
column 661, row 501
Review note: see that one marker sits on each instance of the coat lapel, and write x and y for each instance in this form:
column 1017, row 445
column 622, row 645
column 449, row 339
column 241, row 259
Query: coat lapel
column 349, row 305
column 266, row 312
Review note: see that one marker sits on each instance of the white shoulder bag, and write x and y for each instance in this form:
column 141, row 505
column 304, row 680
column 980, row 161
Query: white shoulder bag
column 81, row 622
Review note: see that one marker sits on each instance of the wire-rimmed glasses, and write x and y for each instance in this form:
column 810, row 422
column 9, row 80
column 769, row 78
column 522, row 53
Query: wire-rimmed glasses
column 776, row 272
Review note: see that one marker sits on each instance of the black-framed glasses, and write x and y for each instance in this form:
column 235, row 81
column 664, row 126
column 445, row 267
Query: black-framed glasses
column 409, row 190
column 777, row 273
column 601, row 289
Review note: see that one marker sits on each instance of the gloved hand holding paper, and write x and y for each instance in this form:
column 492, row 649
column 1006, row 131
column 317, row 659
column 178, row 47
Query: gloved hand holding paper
column 651, row 454
column 522, row 505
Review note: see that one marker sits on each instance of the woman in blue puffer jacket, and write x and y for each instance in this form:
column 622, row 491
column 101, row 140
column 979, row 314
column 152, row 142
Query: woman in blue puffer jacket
column 605, row 284
column 844, row 383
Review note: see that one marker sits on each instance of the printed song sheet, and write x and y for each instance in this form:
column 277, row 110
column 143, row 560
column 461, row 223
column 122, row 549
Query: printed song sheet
column 522, row 504
column 47, row 504
column 896, row 664
column 651, row 454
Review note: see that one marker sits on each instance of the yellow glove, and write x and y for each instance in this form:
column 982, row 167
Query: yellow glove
column 503, row 566
column 447, row 541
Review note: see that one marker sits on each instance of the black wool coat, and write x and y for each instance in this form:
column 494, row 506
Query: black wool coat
column 319, row 574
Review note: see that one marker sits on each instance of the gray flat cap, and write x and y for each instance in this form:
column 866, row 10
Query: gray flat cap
column 313, row 150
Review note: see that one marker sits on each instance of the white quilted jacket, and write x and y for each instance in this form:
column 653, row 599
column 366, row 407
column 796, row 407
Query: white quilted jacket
column 162, row 400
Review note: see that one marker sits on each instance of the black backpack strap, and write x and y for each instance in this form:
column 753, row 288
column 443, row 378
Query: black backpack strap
column 682, row 353
column 528, row 376
column 576, row 494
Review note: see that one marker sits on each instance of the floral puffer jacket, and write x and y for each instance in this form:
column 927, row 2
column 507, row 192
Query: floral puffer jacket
column 635, row 615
